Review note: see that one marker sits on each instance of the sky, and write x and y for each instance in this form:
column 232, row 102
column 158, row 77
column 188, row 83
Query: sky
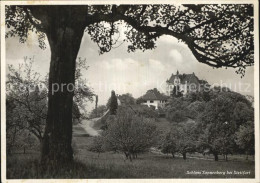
column 133, row 73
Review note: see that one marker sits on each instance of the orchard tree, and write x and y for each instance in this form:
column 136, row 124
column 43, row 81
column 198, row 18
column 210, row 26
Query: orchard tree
column 129, row 133
column 82, row 92
column 243, row 113
column 176, row 109
column 186, row 141
column 217, row 35
column 181, row 139
column 217, row 127
column 222, row 117
column 169, row 144
column 245, row 138
column 97, row 145
column 26, row 99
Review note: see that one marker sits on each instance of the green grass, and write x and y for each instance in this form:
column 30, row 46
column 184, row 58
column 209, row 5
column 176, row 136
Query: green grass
column 113, row 165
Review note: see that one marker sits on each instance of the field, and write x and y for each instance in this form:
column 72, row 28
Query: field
column 152, row 164
column 114, row 165
column 155, row 165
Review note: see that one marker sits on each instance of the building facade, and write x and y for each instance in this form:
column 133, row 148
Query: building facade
column 154, row 98
column 185, row 82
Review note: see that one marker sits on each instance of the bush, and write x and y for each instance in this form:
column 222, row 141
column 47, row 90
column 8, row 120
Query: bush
column 97, row 145
column 195, row 108
column 145, row 111
column 176, row 116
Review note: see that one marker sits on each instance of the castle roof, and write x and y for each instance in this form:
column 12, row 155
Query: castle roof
column 189, row 78
column 154, row 94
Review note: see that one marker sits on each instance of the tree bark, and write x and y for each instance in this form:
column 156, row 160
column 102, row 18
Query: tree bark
column 130, row 157
column 226, row 158
column 173, row 155
column 126, row 155
column 216, row 156
column 64, row 38
column 184, row 156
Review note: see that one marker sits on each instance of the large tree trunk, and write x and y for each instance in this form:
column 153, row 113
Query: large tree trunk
column 64, row 39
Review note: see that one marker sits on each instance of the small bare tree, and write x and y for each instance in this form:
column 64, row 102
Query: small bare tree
column 26, row 101
column 97, row 145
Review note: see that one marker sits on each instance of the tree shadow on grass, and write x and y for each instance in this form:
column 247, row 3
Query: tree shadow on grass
column 34, row 170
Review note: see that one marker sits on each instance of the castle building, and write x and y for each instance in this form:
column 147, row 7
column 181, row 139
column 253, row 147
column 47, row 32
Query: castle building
column 185, row 82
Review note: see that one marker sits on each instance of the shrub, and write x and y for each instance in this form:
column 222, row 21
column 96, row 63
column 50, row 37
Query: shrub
column 145, row 111
column 176, row 116
column 97, row 145
column 195, row 108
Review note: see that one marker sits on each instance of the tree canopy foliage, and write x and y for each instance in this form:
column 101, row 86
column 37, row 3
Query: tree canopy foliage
column 223, row 122
column 217, row 35
column 220, row 121
column 126, row 99
column 245, row 137
column 181, row 139
column 98, row 112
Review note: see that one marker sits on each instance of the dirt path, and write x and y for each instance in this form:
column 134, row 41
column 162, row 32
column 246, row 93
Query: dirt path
column 86, row 127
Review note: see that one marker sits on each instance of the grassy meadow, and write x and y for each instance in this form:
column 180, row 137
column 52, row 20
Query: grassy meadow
column 114, row 165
